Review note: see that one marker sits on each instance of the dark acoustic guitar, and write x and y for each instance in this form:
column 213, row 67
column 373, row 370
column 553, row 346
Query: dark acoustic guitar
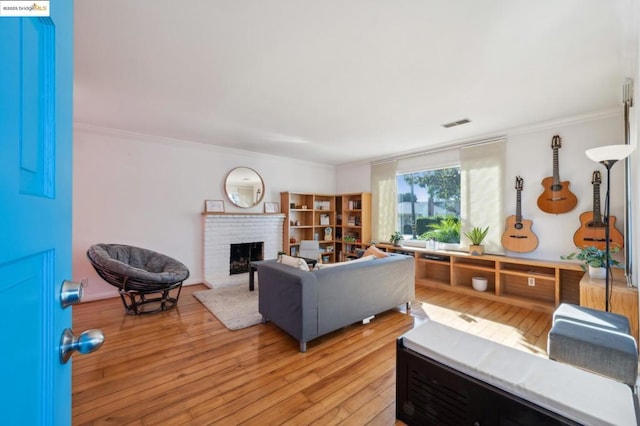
column 593, row 230
column 518, row 235
column 556, row 198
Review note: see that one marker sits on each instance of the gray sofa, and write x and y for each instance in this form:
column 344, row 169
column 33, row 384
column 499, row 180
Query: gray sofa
column 309, row 304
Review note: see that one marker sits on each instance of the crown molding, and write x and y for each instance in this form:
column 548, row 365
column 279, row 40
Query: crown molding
column 182, row 143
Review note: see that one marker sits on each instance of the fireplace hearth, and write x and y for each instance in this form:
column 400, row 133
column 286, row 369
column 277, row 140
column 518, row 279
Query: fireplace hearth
column 222, row 230
column 241, row 254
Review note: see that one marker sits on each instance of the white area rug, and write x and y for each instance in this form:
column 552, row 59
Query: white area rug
column 235, row 306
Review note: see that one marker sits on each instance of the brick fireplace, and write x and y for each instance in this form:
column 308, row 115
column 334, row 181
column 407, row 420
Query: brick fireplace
column 223, row 230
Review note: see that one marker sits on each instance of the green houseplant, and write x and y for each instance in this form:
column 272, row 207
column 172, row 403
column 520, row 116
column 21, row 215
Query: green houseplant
column 593, row 258
column 396, row 237
column 445, row 231
column 476, row 236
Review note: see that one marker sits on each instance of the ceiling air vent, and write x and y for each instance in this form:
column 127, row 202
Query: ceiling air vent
column 456, row 123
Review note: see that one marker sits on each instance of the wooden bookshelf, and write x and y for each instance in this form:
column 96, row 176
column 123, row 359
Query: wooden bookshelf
column 308, row 216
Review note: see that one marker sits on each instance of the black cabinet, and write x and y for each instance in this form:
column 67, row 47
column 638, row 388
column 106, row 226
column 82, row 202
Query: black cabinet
column 430, row 393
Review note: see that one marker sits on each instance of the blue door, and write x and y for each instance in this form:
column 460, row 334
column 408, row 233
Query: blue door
column 36, row 74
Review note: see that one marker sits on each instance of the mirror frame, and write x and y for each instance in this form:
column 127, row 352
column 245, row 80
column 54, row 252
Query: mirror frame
column 235, row 176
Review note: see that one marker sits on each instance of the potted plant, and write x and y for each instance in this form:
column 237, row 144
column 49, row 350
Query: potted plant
column 476, row 236
column 395, row 239
column 594, row 260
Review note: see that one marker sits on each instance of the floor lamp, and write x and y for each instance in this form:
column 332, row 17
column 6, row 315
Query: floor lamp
column 608, row 156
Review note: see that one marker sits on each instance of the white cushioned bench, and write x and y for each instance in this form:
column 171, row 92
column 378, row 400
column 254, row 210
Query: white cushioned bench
column 574, row 394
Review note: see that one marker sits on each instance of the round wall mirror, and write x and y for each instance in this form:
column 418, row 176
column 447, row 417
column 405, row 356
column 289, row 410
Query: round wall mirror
column 244, row 187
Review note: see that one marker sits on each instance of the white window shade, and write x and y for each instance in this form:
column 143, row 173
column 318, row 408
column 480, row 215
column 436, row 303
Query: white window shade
column 481, row 191
column 429, row 161
column 384, row 200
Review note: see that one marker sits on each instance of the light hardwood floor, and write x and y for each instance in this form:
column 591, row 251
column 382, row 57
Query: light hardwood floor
column 184, row 367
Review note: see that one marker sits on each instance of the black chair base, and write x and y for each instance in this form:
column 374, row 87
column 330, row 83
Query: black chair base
column 140, row 302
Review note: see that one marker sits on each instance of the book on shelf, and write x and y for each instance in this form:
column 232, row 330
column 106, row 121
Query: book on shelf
column 355, row 204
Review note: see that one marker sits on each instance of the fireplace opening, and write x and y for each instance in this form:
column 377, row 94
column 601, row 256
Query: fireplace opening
column 243, row 253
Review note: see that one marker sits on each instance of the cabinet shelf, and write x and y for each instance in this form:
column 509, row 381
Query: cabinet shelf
column 434, row 261
column 534, row 274
column 433, row 283
column 476, row 268
column 530, row 283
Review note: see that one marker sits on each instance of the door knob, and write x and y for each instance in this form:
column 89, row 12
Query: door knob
column 87, row 342
column 71, row 293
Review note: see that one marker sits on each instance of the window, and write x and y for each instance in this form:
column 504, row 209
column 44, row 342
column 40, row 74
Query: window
column 464, row 186
column 429, row 204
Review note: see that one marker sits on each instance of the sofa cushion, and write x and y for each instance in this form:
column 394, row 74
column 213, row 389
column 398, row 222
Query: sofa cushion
column 294, row 262
column 373, row 250
column 348, row 262
column 601, row 350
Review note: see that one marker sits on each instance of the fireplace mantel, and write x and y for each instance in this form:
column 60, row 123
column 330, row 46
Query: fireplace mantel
column 220, row 230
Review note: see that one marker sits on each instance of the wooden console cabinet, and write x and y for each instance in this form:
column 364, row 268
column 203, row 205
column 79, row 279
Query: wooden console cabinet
column 533, row 284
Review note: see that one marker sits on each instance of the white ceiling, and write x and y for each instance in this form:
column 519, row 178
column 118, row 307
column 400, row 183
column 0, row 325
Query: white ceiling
column 338, row 81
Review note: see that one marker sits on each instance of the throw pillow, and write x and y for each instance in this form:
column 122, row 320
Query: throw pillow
column 294, row 262
column 373, row 250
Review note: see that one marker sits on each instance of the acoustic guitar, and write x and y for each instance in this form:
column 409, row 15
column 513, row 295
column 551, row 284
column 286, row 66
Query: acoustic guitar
column 593, row 230
column 556, row 198
column 518, row 235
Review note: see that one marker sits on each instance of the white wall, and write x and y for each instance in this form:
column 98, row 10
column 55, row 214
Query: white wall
column 353, row 178
column 529, row 155
column 150, row 192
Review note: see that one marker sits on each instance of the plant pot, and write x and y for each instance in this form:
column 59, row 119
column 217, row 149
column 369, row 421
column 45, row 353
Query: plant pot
column 479, row 283
column 476, row 250
column 447, row 246
column 597, row 273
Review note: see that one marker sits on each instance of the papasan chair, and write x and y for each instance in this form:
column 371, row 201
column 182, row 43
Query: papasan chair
column 145, row 278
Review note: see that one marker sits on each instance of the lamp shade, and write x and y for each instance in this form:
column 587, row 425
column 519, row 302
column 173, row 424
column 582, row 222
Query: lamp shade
column 609, row 153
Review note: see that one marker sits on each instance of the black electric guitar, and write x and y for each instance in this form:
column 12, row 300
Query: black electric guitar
column 593, row 230
column 556, row 198
column 518, row 235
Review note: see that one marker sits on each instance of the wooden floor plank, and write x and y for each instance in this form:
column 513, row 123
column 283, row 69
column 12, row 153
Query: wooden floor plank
column 184, row 367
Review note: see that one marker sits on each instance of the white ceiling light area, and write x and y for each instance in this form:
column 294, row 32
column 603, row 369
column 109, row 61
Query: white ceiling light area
column 343, row 81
